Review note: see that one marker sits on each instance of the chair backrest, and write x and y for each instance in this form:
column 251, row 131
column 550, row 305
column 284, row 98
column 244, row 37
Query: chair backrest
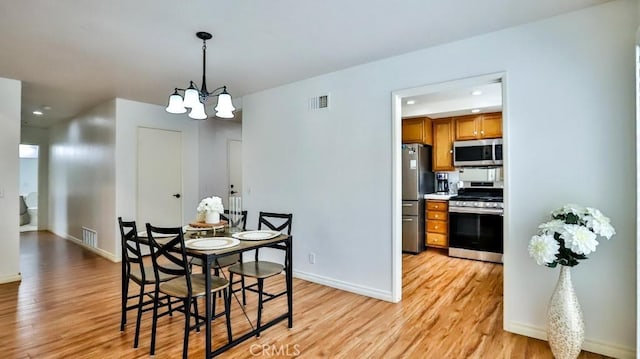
column 168, row 253
column 243, row 219
column 280, row 222
column 131, row 250
column 276, row 221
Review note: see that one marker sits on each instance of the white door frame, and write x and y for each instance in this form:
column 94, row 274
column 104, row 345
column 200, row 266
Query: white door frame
column 396, row 172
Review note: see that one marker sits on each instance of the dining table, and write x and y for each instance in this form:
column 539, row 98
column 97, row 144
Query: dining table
column 210, row 256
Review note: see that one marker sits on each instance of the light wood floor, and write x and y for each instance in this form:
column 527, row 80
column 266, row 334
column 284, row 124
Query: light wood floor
column 67, row 306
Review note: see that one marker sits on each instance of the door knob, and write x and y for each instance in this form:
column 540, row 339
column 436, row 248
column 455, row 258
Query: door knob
column 177, row 195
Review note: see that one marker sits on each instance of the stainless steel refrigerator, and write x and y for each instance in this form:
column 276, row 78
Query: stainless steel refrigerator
column 417, row 180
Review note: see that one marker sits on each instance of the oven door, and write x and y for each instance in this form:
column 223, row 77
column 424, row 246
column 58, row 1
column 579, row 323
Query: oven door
column 476, row 229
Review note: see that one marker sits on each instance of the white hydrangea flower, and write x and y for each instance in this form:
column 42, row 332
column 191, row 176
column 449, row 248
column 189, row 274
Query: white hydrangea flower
column 579, row 239
column 552, row 226
column 600, row 223
column 543, row 249
column 211, row 204
column 570, row 208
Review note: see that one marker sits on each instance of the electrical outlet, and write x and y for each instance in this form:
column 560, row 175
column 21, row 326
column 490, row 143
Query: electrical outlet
column 312, row 258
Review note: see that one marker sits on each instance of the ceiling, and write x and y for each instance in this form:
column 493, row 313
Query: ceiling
column 73, row 54
column 457, row 102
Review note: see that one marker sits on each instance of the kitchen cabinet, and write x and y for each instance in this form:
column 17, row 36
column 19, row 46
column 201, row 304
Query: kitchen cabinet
column 417, row 130
column 443, row 132
column 477, row 127
column 437, row 224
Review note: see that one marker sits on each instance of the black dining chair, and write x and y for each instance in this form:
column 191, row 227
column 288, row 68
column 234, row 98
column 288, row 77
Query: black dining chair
column 261, row 270
column 169, row 257
column 134, row 270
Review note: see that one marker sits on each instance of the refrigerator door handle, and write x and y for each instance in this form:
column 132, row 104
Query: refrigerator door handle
column 407, row 220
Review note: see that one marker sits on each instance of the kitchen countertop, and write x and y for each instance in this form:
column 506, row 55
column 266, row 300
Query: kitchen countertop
column 442, row 197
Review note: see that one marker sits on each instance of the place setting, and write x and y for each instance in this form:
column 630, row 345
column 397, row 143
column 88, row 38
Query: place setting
column 211, row 243
column 257, row 235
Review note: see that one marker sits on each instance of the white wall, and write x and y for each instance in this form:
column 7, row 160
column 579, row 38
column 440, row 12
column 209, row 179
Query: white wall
column 10, row 97
column 81, row 173
column 214, row 175
column 569, row 129
column 40, row 137
column 129, row 116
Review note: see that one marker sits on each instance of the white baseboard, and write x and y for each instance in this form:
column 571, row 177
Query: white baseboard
column 10, row 278
column 98, row 251
column 346, row 286
column 590, row 345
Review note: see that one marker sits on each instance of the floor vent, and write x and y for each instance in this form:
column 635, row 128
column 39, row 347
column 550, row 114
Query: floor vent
column 89, row 237
column 319, row 102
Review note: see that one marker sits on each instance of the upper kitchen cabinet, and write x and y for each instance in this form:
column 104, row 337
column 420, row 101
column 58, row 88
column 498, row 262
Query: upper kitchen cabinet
column 476, row 127
column 417, row 130
column 443, row 131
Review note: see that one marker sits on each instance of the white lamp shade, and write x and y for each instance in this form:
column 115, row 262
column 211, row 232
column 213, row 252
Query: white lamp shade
column 225, row 108
column 175, row 104
column 197, row 112
column 191, row 98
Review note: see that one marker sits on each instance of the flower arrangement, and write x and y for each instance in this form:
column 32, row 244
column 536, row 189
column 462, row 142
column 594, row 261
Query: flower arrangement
column 569, row 236
column 211, row 204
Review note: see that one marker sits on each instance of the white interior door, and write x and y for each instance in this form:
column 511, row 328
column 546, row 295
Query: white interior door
column 159, row 177
column 235, row 167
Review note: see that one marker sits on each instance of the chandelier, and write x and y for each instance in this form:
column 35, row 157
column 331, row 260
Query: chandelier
column 195, row 99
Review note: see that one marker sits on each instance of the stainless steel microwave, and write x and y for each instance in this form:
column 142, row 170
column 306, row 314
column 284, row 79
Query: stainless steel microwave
column 477, row 153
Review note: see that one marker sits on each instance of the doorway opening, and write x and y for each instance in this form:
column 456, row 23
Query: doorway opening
column 442, row 106
column 29, row 187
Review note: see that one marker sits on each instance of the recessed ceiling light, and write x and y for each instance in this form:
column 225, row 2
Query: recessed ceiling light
column 476, row 93
column 475, row 110
column 37, row 113
column 411, row 102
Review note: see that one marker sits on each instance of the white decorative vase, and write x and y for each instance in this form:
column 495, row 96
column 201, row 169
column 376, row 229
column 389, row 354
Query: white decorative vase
column 565, row 327
column 212, row 217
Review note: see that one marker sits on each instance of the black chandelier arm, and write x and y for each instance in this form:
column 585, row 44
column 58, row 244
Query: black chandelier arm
column 214, row 94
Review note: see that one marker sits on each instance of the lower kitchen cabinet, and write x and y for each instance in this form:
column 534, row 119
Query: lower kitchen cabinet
column 437, row 224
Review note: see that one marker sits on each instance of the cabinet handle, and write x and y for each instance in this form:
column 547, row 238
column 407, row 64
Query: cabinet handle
column 475, row 132
column 482, row 132
column 450, row 151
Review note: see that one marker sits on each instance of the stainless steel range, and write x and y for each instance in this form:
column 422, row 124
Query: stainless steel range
column 476, row 222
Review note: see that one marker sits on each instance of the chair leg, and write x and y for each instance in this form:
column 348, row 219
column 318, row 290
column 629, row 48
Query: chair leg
column 154, row 323
column 216, row 272
column 139, row 316
column 214, row 299
column 244, row 295
column 187, row 320
column 169, row 305
column 260, row 285
column 195, row 310
column 125, row 294
column 227, row 312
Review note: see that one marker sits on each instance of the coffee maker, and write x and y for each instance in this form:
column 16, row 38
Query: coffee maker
column 442, row 183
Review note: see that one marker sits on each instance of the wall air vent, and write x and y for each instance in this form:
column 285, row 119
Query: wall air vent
column 319, row 102
column 89, row 237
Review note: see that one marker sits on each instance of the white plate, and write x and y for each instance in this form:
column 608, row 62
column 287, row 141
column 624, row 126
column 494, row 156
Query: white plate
column 211, row 243
column 256, row 235
column 143, row 234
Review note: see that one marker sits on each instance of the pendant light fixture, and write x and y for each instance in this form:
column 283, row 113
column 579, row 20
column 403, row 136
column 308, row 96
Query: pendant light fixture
column 195, row 99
